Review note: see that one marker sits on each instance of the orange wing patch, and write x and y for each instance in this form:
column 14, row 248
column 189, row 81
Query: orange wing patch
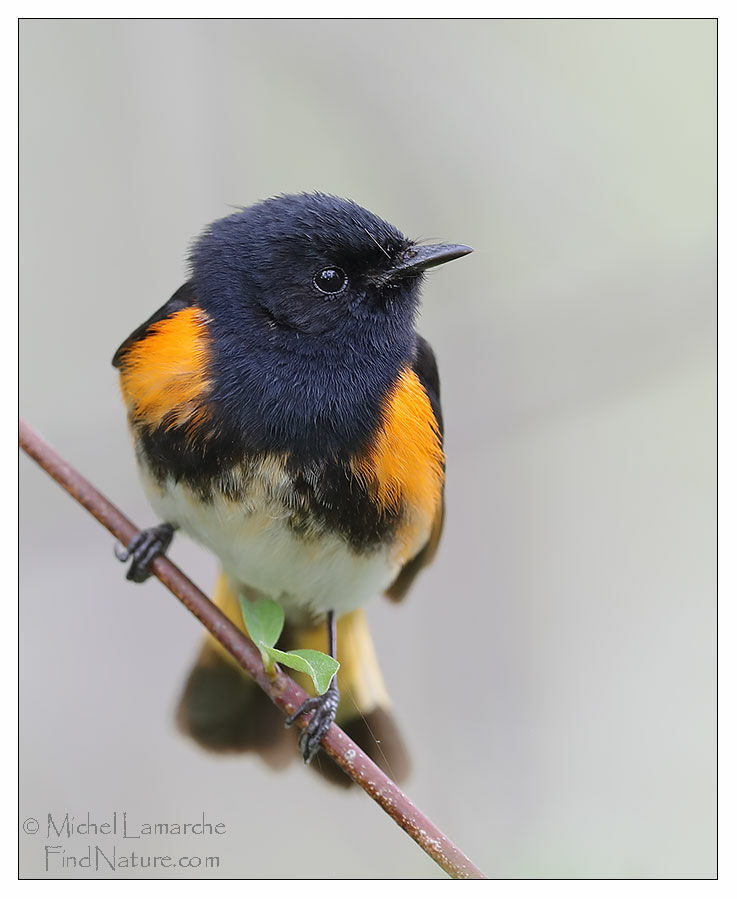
column 164, row 375
column 405, row 463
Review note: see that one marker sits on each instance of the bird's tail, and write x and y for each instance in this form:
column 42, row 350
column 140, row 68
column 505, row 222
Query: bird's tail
column 223, row 710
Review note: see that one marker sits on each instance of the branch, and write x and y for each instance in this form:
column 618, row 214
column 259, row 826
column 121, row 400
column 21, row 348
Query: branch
column 282, row 691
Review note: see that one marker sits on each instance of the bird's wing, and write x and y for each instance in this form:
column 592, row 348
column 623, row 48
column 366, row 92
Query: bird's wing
column 426, row 369
column 183, row 298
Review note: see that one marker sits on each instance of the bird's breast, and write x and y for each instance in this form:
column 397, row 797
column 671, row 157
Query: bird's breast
column 325, row 535
column 327, row 527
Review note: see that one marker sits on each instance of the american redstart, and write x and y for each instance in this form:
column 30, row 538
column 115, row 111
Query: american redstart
column 286, row 415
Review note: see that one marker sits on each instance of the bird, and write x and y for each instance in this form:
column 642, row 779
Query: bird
column 285, row 414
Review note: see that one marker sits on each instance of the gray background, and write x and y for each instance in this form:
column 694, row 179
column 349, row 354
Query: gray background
column 554, row 672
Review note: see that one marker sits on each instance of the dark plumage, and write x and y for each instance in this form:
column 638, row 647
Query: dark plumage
column 297, row 369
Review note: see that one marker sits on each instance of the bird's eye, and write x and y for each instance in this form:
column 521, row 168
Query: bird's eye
column 331, row 280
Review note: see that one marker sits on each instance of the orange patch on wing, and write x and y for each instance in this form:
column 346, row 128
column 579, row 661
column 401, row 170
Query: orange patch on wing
column 164, row 375
column 404, row 463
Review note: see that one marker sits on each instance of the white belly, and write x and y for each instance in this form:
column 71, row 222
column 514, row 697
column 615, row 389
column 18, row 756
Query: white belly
column 261, row 554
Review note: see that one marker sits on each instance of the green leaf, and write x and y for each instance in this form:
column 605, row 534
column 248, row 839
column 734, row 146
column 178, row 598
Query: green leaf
column 264, row 620
column 319, row 666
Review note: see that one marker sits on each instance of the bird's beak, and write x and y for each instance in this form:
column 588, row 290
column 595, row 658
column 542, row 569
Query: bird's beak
column 418, row 258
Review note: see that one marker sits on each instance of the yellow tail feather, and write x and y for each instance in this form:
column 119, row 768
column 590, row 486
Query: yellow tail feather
column 223, row 710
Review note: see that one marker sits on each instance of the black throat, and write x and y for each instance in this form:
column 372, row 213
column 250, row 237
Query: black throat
column 311, row 397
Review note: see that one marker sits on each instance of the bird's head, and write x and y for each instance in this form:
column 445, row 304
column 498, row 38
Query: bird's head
column 312, row 266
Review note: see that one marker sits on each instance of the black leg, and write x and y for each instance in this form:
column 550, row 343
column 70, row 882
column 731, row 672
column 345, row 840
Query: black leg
column 324, row 706
column 143, row 549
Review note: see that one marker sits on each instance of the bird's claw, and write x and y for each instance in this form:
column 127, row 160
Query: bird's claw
column 143, row 549
column 324, row 706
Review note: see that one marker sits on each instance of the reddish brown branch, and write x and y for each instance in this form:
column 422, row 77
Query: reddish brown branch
column 282, row 690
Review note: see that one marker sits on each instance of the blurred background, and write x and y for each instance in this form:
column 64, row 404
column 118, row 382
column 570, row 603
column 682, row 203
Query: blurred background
column 554, row 671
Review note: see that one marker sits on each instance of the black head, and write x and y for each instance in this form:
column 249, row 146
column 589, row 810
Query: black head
column 312, row 266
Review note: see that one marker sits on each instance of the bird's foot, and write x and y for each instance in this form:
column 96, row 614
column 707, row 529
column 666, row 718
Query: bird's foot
column 143, row 549
column 325, row 706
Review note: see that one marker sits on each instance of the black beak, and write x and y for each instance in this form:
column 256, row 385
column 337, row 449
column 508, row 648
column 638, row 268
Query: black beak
column 416, row 258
